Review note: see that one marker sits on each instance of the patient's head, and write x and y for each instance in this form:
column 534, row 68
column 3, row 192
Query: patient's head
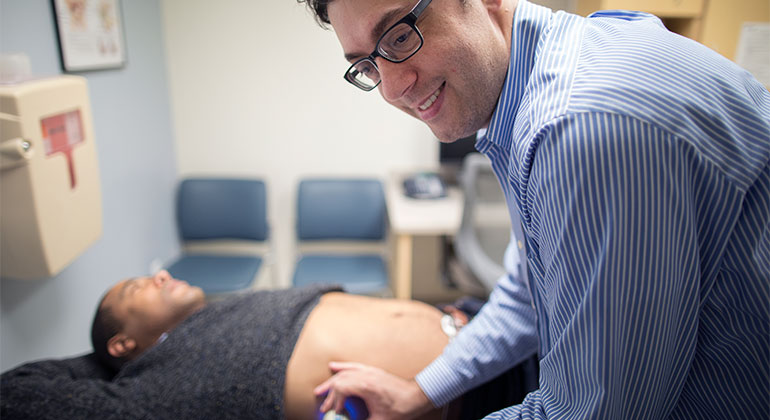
column 135, row 312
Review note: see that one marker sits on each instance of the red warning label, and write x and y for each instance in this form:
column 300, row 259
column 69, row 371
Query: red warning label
column 61, row 133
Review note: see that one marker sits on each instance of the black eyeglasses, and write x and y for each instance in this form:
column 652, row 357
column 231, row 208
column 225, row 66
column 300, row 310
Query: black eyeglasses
column 397, row 44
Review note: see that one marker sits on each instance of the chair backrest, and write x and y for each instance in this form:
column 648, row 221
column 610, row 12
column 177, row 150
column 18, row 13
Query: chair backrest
column 341, row 209
column 485, row 230
column 222, row 208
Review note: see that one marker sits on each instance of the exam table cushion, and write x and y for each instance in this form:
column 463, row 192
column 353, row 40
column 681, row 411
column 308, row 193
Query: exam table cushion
column 226, row 361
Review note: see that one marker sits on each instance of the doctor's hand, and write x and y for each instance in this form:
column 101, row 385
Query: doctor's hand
column 387, row 396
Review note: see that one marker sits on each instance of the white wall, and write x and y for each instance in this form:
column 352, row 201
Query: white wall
column 257, row 90
column 568, row 5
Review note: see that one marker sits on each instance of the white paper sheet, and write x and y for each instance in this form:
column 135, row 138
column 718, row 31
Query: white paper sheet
column 753, row 52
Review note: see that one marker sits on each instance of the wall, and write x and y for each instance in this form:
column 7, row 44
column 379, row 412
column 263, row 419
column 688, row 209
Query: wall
column 257, row 90
column 131, row 112
column 723, row 20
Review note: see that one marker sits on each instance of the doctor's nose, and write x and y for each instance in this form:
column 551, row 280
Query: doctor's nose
column 395, row 79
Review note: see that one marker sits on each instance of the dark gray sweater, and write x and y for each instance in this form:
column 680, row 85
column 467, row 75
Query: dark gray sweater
column 227, row 361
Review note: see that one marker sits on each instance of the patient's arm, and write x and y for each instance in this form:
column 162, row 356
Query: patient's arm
column 401, row 337
column 74, row 388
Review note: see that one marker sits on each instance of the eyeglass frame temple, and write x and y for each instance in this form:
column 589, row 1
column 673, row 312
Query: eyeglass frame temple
column 418, row 9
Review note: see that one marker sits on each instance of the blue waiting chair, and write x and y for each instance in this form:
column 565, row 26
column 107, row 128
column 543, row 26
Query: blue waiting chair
column 223, row 226
column 341, row 234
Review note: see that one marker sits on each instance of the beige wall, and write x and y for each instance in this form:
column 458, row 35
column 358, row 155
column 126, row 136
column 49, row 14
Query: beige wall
column 723, row 20
column 257, row 90
column 51, row 317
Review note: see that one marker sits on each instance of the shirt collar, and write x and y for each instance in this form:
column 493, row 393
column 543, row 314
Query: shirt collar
column 529, row 23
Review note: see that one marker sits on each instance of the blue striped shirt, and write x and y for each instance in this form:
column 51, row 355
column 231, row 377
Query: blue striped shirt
column 638, row 164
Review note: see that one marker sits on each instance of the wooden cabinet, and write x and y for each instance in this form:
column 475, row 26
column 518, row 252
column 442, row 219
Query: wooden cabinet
column 662, row 8
column 715, row 23
column 681, row 16
column 723, row 21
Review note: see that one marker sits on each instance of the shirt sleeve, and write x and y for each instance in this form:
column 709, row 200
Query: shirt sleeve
column 615, row 266
column 500, row 336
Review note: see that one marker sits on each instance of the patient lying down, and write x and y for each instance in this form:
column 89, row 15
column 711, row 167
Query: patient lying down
column 253, row 355
column 399, row 336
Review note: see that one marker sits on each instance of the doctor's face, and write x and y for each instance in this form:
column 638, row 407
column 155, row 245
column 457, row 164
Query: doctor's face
column 453, row 82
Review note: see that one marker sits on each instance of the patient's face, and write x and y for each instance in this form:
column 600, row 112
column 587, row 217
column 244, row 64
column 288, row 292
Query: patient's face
column 149, row 306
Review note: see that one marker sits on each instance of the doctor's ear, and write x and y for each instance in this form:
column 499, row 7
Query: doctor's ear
column 120, row 345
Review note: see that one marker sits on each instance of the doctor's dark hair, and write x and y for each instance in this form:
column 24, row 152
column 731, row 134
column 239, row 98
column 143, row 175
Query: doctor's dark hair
column 319, row 9
column 321, row 12
column 104, row 327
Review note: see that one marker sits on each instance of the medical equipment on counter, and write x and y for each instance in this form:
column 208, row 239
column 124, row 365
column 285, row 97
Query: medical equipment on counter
column 50, row 199
column 425, row 185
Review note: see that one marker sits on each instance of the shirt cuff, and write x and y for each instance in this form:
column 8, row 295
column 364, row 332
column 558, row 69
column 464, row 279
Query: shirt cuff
column 440, row 382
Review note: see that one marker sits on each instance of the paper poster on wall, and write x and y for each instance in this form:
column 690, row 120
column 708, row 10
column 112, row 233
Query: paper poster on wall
column 753, row 52
column 90, row 34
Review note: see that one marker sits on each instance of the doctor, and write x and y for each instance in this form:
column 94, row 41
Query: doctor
column 637, row 163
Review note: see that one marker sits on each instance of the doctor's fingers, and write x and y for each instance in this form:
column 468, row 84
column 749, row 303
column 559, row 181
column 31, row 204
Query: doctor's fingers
column 342, row 385
column 333, row 400
column 347, row 371
column 340, row 366
column 386, row 396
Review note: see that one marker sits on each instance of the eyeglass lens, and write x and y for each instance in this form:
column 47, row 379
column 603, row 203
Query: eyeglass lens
column 364, row 74
column 397, row 45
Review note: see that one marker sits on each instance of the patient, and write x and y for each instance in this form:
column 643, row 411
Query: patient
column 402, row 336
column 255, row 355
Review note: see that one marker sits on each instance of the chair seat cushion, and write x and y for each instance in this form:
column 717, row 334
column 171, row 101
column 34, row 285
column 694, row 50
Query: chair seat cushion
column 217, row 273
column 357, row 274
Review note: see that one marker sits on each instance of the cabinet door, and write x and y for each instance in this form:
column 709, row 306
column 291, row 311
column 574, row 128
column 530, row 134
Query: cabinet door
column 661, row 8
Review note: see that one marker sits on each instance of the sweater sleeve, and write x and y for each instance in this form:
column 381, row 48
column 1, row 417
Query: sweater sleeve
column 58, row 389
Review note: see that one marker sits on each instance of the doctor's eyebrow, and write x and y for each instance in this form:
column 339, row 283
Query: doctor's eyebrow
column 377, row 30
